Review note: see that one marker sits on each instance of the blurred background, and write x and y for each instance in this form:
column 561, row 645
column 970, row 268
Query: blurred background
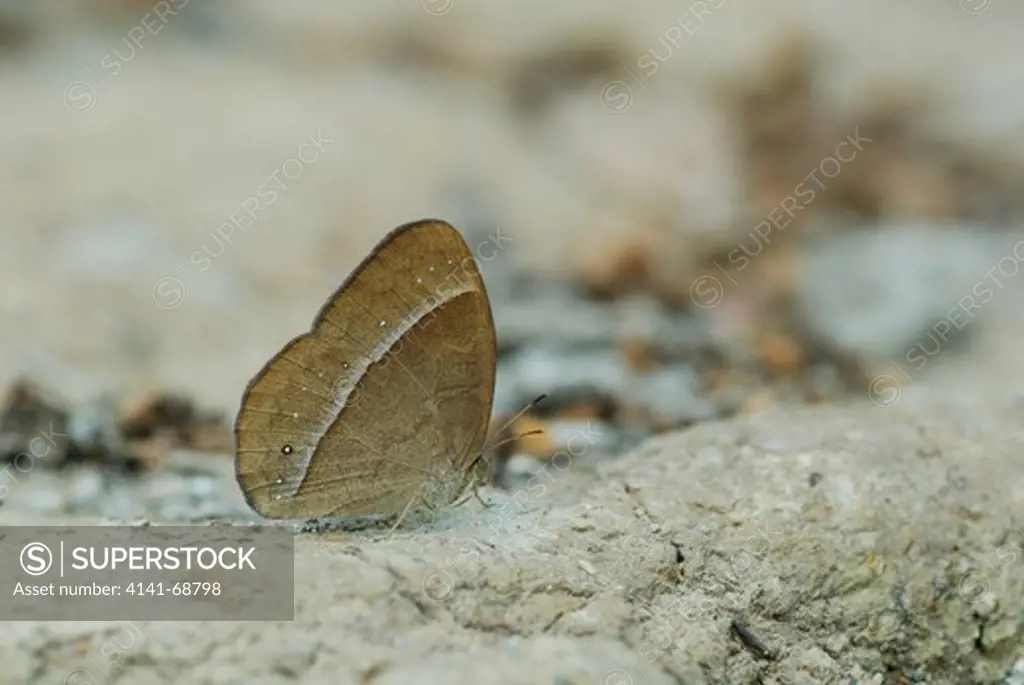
column 705, row 208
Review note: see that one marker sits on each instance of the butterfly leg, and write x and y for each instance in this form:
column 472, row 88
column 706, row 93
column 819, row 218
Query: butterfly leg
column 402, row 517
column 481, row 500
column 475, row 493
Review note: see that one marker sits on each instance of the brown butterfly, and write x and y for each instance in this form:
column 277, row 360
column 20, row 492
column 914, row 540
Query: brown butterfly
column 385, row 404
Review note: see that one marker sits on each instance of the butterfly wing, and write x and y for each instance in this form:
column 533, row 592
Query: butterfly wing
column 393, row 385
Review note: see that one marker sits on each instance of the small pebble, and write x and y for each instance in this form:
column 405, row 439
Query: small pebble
column 582, row 526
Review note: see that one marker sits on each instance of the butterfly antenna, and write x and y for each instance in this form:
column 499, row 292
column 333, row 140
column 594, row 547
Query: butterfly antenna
column 530, row 405
column 513, row 438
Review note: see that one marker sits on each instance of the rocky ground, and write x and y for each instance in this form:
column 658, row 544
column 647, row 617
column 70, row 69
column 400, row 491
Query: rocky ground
column 828, row 545
column 802, row 413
